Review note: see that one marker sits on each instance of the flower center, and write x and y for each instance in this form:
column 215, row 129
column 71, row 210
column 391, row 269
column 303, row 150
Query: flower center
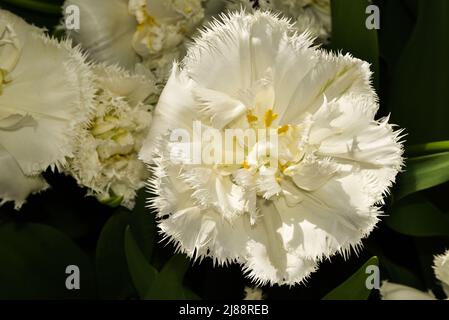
column 163, row 25
column 115, row 139
column 277, row 151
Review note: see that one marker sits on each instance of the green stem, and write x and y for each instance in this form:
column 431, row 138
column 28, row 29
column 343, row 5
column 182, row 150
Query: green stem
column 427, row 148
column 36, row 5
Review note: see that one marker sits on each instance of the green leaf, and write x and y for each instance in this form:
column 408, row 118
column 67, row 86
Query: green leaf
column 168, row 283
column 114, row 280
column 142, row 273
column 33, row 262
column 38, row 18
column 36, row 5
column 423, row 173
column 353, row 288
column 154, row 285
column 396, row 29
column 420, row 85
column 143, row 224
column 419, row 218
column 401, row 275
column 349, row 32
column 427, row 148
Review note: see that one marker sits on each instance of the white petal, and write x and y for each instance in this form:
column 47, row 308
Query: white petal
column 394, row 291
column 311, row 174
column 358, row 137
column 316, row 228
column 106, row 31
column 219, row 107
column 267, row 184
column 135, row 87
column 14, row 185
column 268, row 260
column 331, row 77
column 203, row 233
column 54, row 96
column 441, row 268
column 172, row 112
column 245, row 48
column 211, row 189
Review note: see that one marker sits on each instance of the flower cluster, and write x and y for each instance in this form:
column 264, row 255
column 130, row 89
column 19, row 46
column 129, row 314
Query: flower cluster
column 162, row 30
column 127, row 32
column 105, row 159
column 64, row 113
column 313, row 191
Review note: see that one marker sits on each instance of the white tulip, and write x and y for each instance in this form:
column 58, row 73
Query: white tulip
column 335, row 162
column 105, row 160
column 127, row 32
column 45, row 98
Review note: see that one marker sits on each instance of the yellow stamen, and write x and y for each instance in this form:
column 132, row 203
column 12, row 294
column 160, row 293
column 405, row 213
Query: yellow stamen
column 283, row 129
column 245, row 165
column 284, row 166
column 251, row 118
column 150, row 20
column 270, row 116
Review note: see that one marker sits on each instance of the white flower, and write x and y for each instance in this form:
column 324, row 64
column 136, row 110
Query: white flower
column 441, row 269
column 276, row 217
column 253, row 294
column 311, row 15
column 105, row 160
column 45, row 96
column 394, row 291
column 126, row 32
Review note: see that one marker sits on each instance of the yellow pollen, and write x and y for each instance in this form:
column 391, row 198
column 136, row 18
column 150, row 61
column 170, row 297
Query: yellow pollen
column 245, row 165
column 270, row 116
column 148, row 21
column 284, row 166
column 283, row 129
column 188, row 10
column 251, row 117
